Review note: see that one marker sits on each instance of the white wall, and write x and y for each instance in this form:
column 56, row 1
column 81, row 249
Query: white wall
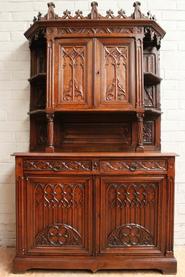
column 15, row 17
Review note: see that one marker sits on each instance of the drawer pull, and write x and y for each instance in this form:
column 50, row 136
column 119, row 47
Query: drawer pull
column 133, row 167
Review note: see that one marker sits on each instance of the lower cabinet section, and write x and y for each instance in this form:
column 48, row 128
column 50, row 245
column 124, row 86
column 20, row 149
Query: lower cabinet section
column 88, row 219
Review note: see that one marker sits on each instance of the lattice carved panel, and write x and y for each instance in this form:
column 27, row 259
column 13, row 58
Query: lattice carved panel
column 148, row 132
column 59, row 195
column 131, row 195
column 150, row 97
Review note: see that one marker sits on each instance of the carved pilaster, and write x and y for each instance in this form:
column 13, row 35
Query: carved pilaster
column 139, row 66
column 50, row 34
column 50, row 132
column 170, row 208
column 140, row 147
column 20, row 210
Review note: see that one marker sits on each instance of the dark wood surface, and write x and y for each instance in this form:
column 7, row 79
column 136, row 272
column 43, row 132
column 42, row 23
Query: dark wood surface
column 95, row 192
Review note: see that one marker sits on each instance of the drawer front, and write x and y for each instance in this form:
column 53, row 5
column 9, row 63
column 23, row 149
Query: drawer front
column 133, row 166
column 59, row 165
column 97, row 166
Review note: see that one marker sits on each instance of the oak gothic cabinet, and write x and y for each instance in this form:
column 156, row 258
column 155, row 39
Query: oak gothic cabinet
column 95, row 192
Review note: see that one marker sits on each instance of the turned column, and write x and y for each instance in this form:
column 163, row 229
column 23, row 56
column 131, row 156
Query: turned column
column 140, row 146
column 50, row 132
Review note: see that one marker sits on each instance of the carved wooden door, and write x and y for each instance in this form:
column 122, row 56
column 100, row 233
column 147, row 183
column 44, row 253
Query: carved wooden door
column 132, row 217
column 115, row 73
column 59, row 212
column 73, row 73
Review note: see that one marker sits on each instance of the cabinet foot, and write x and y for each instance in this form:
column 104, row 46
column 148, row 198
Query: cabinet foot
column 19, row 268
column 169, row 271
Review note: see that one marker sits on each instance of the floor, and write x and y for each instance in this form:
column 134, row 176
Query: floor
column 7, row 254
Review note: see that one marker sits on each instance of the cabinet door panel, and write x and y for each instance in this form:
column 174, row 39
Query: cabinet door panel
column 115, row 74
column 59, row 211
column 131, row 214
column 73, row 73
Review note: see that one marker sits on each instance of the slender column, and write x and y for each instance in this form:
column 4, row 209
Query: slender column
column 140, row 147
column 50, row 132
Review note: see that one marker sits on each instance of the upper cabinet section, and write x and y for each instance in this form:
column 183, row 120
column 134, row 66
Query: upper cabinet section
column 92, row 62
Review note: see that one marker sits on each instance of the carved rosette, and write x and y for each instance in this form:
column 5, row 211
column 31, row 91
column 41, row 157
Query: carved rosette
column 130, row 235
column 58, row 235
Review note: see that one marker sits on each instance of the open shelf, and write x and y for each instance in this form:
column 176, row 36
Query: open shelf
column 153, row 111
column 151, row 79
column 37, row 77
column 36, row 111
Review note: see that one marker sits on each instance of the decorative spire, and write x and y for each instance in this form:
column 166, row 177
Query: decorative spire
column 94, row 11
column 137, row 12
column 51, row 13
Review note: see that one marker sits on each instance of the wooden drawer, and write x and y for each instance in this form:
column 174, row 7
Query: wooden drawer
column 83, row 166
column 59, row 165
column 134, row 166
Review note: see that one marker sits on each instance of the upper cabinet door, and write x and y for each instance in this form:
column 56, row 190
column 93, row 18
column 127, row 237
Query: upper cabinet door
column 73, row 73
column 115, row 74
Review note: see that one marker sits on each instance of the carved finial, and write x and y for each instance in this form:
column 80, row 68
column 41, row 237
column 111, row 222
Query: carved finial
column 121, row 14
column 79, row 14
column 39, row 15
column 94, row 11
column 150, row 16
column 34, row 19
column 110, row 14
column 137, row 12
column 51, row 13
column 66, row 14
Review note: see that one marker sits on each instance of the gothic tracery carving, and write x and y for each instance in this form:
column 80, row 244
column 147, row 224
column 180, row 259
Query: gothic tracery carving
column 59, row 195
column 116, row 60
column 132, row 195
column 130, row 235
column 58, row 235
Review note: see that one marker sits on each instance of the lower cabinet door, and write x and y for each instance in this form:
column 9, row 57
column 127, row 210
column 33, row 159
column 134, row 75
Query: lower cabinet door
column 132, row 215
column 59, row 213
